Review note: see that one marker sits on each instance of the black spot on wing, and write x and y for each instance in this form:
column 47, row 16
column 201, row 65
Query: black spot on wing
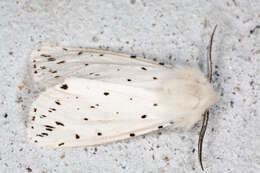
column 34, row 109
column 48, row 126
column 86, row 119
column 154, row 78
column 57, row 102
column 161, row 63
column 99, row 134
column 101, row 55
column 65, row 49
column 60, row 144
column 155, row 104
column 129, row 80
column 131, row 134
column 61, row 62
column 51, row 59
column 106, row 93
column 53, row 109
column 80, row 53
column 59, row 123
column 133, row 56
column 77, row 136
column 143, row 68
column 64, row 86
column 45, row 55
column 42, row 116
column 159, row 127
column 55, row 71
column 143, row 116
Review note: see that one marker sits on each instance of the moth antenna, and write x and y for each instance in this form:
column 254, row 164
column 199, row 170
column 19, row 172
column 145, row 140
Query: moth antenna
column 206, row 114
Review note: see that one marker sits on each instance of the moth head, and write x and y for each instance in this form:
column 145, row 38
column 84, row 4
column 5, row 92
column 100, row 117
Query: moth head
column 195, row 83
column 188, row 93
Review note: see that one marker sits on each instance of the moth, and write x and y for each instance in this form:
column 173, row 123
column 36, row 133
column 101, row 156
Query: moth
column 91, row 96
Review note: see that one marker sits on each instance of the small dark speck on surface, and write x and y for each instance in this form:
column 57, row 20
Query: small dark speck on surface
column 5, row 115
column 95, row 39
column 95, row 150
column 29, row 169
column 62, row 156
column 232, row 104
column 216, row 73
column 19, row 99
column 254, row 29
column 252, row 84
column 132, row 1
column 166, row 158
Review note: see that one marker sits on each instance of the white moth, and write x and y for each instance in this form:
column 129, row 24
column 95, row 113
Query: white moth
column 93, row 96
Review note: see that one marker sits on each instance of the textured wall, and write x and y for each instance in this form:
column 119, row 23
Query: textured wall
column 173, row 31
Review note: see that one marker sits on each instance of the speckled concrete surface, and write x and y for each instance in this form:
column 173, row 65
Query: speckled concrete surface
column 173, row 31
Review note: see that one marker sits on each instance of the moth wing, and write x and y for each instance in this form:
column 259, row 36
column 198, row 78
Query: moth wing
column 84, row 112
column 52, row 64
